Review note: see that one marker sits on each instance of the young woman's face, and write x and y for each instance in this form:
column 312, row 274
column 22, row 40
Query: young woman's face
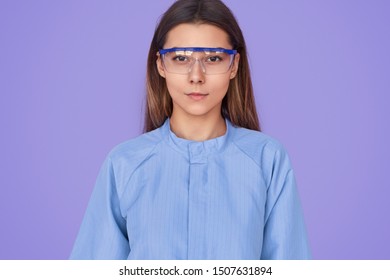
column 197, row 93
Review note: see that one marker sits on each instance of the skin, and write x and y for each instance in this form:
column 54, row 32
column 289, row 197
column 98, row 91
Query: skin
column 197, row 119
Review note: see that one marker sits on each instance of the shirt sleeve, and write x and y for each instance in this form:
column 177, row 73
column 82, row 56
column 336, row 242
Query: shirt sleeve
column 284, row 231
column 102, row 234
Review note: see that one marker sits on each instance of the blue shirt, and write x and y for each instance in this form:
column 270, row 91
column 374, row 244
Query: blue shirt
column 159, row 196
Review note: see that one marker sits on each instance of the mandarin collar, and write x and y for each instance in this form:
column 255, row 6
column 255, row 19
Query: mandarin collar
column 196, row 151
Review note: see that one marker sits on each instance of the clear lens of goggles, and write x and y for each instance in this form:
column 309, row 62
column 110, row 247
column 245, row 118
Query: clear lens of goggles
column 211, row 60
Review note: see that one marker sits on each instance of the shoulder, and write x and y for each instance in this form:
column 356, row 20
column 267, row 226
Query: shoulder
column 127, row 156
column 256, row 144
column 267, row 152
column 139, row 145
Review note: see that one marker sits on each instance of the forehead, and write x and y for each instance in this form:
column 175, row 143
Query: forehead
column 197, row 35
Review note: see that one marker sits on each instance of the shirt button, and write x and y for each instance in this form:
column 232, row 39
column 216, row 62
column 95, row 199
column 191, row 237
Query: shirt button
column 196, row 149
column 197, row 153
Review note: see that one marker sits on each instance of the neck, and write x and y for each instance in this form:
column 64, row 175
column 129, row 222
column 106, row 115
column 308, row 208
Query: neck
column 198, row 128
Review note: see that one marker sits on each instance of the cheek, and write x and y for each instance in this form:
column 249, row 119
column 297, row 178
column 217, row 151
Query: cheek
column 219, row 85
column 176, row 84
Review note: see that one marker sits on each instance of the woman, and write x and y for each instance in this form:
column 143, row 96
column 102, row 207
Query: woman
column 203, row 182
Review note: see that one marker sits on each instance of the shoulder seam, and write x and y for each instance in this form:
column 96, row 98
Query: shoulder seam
column 138, row 165
column 238, row 147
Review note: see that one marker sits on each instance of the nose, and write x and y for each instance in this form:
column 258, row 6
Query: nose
column 196, row 73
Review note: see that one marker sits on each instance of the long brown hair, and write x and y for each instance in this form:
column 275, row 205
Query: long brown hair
column 238, row 105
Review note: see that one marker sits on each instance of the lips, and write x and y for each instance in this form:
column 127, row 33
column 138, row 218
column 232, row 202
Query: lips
column 197, row 95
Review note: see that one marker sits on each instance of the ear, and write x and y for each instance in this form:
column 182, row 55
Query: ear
column 233, row 72
column 160, row 67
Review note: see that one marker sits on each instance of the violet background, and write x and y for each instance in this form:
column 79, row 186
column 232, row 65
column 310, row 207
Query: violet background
column 72, row 77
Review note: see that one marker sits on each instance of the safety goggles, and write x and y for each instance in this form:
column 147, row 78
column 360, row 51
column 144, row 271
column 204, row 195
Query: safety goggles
column 211, row 60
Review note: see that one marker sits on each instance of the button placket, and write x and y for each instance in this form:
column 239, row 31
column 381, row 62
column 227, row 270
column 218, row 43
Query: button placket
column 198, row 196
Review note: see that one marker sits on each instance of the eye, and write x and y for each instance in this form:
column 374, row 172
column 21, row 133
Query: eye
column 180, row 58
column 214, row 59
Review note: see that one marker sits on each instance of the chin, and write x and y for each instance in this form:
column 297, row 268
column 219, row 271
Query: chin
column 198, row 112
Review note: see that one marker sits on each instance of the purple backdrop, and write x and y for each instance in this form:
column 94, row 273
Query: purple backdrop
column 72, row 87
